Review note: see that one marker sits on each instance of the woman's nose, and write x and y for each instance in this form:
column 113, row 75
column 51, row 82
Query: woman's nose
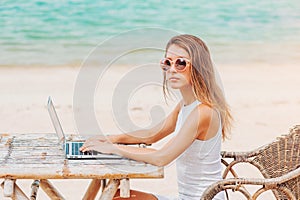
column 172, row 68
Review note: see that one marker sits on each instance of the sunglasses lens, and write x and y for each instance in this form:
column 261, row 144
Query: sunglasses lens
column 180, row 64
column 165, row 64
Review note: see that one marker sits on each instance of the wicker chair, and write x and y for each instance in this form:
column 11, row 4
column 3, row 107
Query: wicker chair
column 278, row 162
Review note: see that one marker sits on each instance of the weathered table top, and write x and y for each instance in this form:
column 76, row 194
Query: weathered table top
column 40, row 156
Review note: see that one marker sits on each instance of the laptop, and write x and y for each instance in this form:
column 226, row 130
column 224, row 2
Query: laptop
column 71, row 148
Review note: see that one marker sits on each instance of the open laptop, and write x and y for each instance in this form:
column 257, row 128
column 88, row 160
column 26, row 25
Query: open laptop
column 71, row 148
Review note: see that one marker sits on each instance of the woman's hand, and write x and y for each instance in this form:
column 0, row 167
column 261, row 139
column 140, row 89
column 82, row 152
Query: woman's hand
column 97, row 144
column 100, row 138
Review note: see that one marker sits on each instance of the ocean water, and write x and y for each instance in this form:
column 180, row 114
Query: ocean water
column 64, row 32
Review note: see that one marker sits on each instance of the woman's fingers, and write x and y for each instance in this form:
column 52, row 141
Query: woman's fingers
column 89, row 145
column 94, row 143
column 85, row 146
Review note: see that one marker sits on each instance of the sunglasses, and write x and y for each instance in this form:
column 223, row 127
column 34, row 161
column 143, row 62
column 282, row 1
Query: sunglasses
column 180, row 64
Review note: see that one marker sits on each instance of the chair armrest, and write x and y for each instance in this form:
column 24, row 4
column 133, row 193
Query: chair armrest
column 239, row 155
column 237, row 184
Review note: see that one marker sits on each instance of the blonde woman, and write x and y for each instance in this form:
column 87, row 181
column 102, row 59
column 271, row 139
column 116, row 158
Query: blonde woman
column 198, row 123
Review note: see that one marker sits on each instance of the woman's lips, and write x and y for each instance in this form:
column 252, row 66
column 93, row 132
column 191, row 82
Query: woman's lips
column 173, row 79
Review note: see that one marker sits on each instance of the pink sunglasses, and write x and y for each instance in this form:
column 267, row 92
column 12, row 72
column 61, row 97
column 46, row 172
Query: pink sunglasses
column 180, row 64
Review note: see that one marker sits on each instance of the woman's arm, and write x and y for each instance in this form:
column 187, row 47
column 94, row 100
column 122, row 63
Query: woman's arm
column 195, row 126
column 146, row 136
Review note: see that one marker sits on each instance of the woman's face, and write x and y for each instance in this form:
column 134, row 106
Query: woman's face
column 178, row 79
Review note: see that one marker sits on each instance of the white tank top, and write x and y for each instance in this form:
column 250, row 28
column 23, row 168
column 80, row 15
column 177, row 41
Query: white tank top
column 199, row 165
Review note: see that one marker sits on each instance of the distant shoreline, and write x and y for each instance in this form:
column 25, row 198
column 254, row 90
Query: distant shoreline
column 279, row 53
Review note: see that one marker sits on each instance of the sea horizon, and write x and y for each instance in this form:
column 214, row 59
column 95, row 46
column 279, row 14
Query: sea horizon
column 54, row 33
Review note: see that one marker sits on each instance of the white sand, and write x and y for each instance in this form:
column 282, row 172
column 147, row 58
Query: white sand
column 265, row 102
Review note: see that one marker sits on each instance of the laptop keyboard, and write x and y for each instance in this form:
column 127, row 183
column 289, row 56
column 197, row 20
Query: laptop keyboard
column 72, row 148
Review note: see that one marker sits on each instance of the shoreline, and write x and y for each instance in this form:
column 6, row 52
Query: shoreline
column 235, row 53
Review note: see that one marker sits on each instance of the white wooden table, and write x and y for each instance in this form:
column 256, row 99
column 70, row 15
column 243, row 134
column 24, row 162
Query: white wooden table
column 40, row 157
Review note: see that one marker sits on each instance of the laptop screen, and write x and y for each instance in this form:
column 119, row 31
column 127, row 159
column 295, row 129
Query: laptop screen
column 55, row 120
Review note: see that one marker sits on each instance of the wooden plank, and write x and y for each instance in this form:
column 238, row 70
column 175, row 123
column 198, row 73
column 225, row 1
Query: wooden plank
column 92, row 190
column 50, row 190
column 110, row 189
column 40, row 156
column 125, row 188
column 75, row 170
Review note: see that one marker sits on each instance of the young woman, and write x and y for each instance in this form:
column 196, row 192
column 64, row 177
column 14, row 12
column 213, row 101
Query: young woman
column 198, row 122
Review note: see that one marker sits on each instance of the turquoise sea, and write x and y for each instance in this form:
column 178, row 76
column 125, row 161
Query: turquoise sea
column 63, row 32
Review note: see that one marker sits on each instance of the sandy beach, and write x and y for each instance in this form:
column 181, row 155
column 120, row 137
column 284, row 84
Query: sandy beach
column 45, row 45
column 264, row 98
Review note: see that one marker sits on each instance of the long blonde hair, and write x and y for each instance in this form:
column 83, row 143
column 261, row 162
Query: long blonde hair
column 203, row 78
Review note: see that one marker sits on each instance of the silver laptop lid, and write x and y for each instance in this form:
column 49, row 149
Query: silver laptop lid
column 55, row 121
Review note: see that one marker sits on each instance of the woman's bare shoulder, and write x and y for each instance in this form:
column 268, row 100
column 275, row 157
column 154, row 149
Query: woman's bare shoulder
column 208, row 121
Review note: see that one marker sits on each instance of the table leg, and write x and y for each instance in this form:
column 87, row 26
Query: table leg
column 124, row 188
column 34, row 189
column 92, row 190
column 8, row 187
column 12, row 190
column 103, row 184
column 110, row 189
column 50, row 190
